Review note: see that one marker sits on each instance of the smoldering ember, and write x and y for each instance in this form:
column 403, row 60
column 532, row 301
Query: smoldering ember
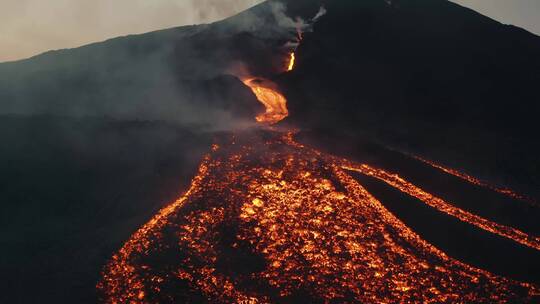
column 301, row 151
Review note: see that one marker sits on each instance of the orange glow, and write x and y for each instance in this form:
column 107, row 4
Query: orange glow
column 274, row 102
column 314, row 229
column 292, row 60
column 269, row 220
column 478, row 182
column 397, row 182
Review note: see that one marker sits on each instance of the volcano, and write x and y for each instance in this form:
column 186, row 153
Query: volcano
column 350, row 159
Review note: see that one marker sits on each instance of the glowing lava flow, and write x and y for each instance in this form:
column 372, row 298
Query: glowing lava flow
column 268, row 94
column 404, row 186
column 476, row 181
column 292, row 60
column 268, row 220
column 274, row 102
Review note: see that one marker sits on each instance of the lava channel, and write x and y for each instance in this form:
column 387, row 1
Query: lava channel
column 270, row 221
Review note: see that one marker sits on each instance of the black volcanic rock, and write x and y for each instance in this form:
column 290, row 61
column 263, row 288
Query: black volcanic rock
column 428, row 76
column 425, row 59
column 73, row 190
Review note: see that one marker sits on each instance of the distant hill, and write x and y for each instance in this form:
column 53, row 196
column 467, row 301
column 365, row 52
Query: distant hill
column 180, row 75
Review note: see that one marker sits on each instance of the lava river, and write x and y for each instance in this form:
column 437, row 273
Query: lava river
column 268, row 220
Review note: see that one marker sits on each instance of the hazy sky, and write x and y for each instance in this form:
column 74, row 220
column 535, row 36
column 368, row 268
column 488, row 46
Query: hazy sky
column 29, row 27
column 522, row 13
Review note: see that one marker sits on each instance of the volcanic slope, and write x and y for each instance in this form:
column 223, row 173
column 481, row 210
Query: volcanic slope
column 267, row 220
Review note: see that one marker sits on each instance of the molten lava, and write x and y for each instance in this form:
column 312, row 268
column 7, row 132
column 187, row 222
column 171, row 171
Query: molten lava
column 268, row 94
column 268, row 220
column 292, row 60
column 404, row 186
column 475, row 181
column 272, row 221
column 274, row 102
